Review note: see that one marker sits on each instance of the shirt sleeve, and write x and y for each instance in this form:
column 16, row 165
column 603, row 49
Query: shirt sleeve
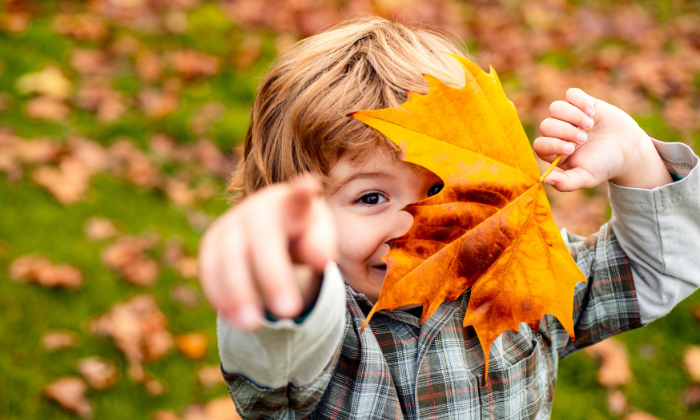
column 659, row 230
column 285, row 366
column 640, row 264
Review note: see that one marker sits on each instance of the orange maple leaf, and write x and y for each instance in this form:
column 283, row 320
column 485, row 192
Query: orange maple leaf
column 490, row 228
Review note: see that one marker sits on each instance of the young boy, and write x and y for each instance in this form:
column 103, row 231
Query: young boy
column 307, row 249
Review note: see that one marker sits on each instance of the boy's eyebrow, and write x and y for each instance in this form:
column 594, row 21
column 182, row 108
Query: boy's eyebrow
column 358, row 175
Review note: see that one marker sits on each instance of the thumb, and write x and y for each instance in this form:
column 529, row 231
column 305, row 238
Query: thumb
column 570, row 180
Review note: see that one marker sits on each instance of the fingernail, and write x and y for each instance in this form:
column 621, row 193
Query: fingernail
column 283, row 304
column 587, row 123
column 581, row 137
column 589, row 111
column 548, row 182
column 569, row 148
column 247, row 317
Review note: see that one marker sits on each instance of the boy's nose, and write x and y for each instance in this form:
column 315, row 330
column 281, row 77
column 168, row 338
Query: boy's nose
column 402, row 223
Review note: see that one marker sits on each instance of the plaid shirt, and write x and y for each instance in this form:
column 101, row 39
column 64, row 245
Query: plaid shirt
column 398, row 369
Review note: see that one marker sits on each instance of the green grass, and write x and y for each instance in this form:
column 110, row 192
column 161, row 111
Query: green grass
column 32, row 221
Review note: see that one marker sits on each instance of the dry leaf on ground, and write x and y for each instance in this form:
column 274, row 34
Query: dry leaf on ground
column 68, row 182
column 165, row 415
column 99, row 228
column 69, row 393
column 56, row 340
column 127, row 257
column 47, row 108
column 617, row 402
column 640, row 415
column 154, row 387
column 130, row 163
column 139, row 330
column 691, row 395
column 614, row 362
column 174, row 256
column 49, row 82
column 84, row 27
column 98, row 373
column 190, row 64
column 33, row 268
column 691, row 363
column 210, row 376
column 192, row 345
column 185, row 295
column 218, row 409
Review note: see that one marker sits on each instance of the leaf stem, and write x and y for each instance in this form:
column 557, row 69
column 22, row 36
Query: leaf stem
column 551, row 168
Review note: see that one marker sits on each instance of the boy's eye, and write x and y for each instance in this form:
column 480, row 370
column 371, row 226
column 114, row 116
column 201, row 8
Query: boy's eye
column 435, row 189
column 372, row 198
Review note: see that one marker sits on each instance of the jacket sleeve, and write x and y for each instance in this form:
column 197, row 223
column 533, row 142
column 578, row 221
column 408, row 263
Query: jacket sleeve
column 644, row 261
column 282, row 370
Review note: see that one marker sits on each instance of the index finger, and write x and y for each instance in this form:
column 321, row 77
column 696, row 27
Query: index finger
column 581, row 100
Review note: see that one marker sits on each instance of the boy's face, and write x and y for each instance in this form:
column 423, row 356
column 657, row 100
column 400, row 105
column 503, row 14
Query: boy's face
column 367, row 209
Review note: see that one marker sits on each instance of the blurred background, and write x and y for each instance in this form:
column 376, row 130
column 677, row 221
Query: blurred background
column 119, row 121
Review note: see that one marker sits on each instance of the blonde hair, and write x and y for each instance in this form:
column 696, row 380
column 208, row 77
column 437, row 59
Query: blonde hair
column 298, row 124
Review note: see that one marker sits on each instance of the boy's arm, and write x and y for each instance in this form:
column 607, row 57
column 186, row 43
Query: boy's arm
column 659, row 230
column 284, row 365
column 643, row 262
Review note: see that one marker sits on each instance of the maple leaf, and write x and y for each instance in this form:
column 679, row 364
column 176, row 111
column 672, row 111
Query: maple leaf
column 490, row 228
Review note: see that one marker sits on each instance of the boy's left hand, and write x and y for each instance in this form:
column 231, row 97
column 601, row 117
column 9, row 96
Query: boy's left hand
column 599, row 142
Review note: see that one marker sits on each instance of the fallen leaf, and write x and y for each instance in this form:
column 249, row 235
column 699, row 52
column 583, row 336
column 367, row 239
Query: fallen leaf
column 210, row 376
column 98, row 373
column 174, row 256
column 691, row 362
column 154, row 387
column 639, row 415
column 208, row 155
column 139, row 330
column 32, row 268
column 617, row 402
column 691, row 395
column 192, row 345
column 217, row 409
column 192, row 64
column 490, row 228
column 90, row 62
column 50, row 82
column 130, row 163
column 165, row 415
column 13, row 22
column 56, row 340
column 205, row 116
column 175, row 21
column 185, row 295
column 98, row 229
column 91, row 154
column 156, row 103
column 68, row 182
column 69, row 393
column 126, row 256
column 86, row 27
column 179, row 192
column 99, row 97
column 47, row 108
column 614, row 362
column 149, row 66
column 37, row 151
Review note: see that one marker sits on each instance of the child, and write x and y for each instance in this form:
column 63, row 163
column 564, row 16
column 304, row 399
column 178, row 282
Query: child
column 308, row 248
